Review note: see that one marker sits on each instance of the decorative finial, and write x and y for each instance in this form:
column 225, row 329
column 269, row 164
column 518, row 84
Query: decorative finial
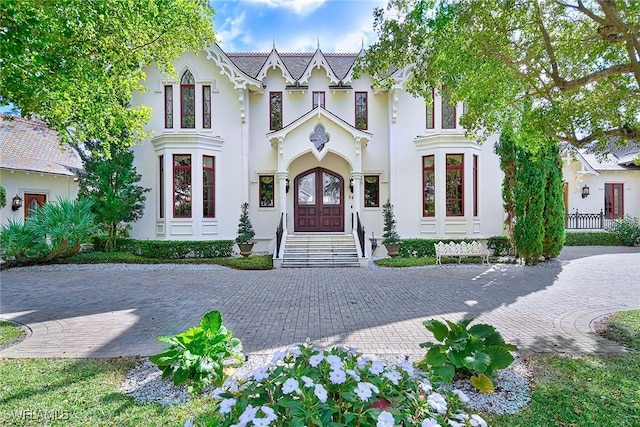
column 318, row 42
column 362, row 48
column 274, row 43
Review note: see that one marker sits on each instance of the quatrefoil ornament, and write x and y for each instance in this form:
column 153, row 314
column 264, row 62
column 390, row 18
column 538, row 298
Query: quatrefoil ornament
column 319, row 137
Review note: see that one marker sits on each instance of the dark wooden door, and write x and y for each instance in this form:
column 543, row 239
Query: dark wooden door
column 33, row 201
column 319, row 201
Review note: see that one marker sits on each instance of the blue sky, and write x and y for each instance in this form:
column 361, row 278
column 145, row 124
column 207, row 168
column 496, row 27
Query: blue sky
column 295, row 25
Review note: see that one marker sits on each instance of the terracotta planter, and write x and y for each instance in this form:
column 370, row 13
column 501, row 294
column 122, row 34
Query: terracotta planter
column 392, row 249
column 245, row 249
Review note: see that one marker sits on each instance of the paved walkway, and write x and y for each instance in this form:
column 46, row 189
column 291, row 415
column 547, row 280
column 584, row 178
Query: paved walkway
column 116, row 310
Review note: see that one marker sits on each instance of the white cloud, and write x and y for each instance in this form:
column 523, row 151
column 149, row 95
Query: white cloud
column 299, row 7
column 232, row 29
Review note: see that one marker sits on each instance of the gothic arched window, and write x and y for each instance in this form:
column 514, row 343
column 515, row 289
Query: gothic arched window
column 187, row 101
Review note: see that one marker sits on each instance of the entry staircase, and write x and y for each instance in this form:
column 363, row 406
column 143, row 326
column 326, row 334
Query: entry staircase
column 320, row 250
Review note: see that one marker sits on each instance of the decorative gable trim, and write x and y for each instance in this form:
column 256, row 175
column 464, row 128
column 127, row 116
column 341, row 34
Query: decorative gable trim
column 236, row 76
column 274, row 61
column 319, row 61
column 569, row 153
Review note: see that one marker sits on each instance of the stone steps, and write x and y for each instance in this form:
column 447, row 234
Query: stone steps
column 320, row 250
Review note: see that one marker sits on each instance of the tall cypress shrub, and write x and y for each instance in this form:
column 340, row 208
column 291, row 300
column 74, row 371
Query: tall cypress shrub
column 529, row 206
column 506, row 150
column 554, row 209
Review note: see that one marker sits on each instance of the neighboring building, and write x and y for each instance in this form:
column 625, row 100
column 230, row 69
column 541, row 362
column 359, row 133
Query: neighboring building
column 34, row 167
column 298, row 137
column 596, row 183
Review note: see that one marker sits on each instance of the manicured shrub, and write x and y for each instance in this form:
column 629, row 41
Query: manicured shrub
column 475, row 352
column 390, row 234
column 591, row 238
column 416, row 248
column 245, row 229
column 197, row 356
column 553, row 214
column 500, row 245
column 169, row 249
column 627, row 230
column 529, row 196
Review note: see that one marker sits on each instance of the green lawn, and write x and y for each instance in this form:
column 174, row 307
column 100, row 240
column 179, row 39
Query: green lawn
column 9, row 334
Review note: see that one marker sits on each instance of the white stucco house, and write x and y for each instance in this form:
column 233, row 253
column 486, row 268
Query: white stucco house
column 34, row 167
column 596, row 185
column 299, row 138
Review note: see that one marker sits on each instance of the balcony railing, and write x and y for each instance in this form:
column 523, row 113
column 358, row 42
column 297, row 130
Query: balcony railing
column 586, row 221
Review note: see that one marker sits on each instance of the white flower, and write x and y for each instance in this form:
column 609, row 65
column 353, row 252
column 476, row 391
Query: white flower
column 408, row 368
column 316, row 359
column 362, row 361
column 189, row 422
column 477, row 421
column 308, row 382
column 337, row 376
column 278, row 356
column 231, row 384
column 393, row 376
column 320, row 392
column 453, row 423
column 269, row 412
column 437, row 402
column 376, row 367
column 334, row 361
column 430, row 423
column 226, row 405
column 364, row 391
column 261, row 374
column 463, row 397
column 353, row 374
column 217, row 393
column 247, row 416
column 426, row 386
column 265, row 422
column 290, row 386
column 385, row 419
column 295, row 350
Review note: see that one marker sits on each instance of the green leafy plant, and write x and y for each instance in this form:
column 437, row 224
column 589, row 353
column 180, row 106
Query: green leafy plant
column 390, row 234
column 627, row 229
column 591, row 238
column 305, row 386
column 475, row 352
column 500, row 245
column 199, row 355
column 3, row 197
column 245, row 229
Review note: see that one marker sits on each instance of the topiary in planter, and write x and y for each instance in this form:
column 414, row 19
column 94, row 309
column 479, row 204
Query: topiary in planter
column 390, row 238
column 245, row 231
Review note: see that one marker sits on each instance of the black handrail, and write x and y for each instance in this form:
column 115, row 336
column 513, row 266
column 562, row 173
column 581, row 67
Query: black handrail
column 577, row 221
column 360, row 231
column 279, row 233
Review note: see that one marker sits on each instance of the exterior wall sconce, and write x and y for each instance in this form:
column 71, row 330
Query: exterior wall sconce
column 16, row 203
column 585, row 191
column 351, row 185
column 286, row 185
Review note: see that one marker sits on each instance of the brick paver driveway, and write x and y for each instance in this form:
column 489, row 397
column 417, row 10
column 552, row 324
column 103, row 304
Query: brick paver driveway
column 106, row 310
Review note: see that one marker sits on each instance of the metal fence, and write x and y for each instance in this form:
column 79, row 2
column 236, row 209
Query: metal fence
column 586, row 221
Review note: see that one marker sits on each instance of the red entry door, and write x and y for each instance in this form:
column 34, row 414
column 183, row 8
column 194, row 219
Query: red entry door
column 319, row 201
column 33, row 201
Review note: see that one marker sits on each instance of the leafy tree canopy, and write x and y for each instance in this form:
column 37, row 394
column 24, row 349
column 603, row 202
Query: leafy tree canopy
column 75, row 63
column 573, row 64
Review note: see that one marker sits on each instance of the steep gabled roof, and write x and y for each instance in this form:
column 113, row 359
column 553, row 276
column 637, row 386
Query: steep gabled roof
column 612, row 158
column 29, row 145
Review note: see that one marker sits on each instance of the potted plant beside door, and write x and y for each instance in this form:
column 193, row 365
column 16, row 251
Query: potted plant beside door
column 390, row 238
column 245, row 231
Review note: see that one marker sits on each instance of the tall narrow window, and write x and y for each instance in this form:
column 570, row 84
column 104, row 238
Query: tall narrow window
column 613, row 201
column 429, row 186
column 448, row 112
column 318, row 100
column 187, row 101
column 182, row 186
column 275, row 110
column 455, row 185
column 266, row 191
column 475, row 185
column 371, row 191
column 168, row 107
column 208, row 187
column 430, row 120
column 206, row 107
column 161, row 188
column 362, row 120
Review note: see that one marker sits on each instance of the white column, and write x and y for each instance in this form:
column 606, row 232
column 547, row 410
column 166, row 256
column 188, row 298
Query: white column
column 244, row 141
column 282, row 175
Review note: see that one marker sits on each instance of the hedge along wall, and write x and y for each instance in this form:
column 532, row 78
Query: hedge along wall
column 416, row 248
column 591, row 238
column 169, row 249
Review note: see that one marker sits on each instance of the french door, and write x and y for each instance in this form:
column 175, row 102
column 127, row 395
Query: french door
column 319, row 201
column 33, row 201
column 613, row 201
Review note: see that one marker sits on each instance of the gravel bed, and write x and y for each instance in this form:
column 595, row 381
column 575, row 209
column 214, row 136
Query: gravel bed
column 145, row 384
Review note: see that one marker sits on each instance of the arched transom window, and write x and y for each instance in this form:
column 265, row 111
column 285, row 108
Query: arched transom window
column 187, row 101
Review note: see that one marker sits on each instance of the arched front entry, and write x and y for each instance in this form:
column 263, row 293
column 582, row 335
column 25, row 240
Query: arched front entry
column 318, row 201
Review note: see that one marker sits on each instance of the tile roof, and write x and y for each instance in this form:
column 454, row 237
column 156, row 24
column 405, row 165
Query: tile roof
column 30, row 145
column 615, row 157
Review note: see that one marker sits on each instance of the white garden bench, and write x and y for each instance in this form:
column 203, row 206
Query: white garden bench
column 462, row 249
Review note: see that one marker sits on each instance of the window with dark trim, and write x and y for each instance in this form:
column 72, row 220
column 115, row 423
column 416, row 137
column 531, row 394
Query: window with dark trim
column 613, row 201
column 475, row 185
column 455, row 185
column 275, row 110
column 208, row 187
column 317, row 98
column 429, row 186
column 168, row 107
column 187, row 101
column 182, row 186
column 362, row 120
column 448, row 112
column 430, row 115
column 206, row 107
column 161, row 187
column 266, row 187
column 371, row 191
